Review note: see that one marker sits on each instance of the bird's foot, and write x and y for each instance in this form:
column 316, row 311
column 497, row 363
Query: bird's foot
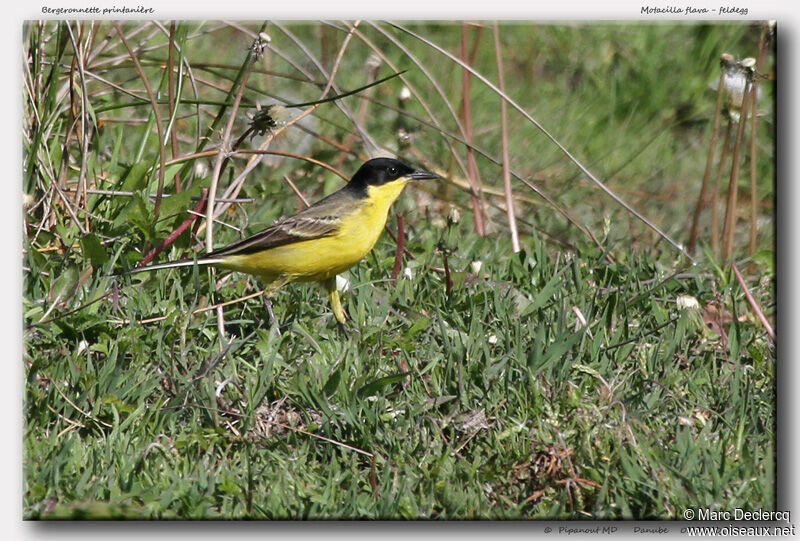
column 349, row 332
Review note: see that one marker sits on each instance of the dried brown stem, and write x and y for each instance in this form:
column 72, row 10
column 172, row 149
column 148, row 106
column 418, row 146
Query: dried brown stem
column 733, row 187
column 512, row 221
column 712, row 150
column 297, row 192
column 83, row 134
column 762, row 50
column 159, row 127
column 473, row 174
column 726, row 145
column 448, row 280
column 198, row 210
column 171, row 88
column 753, row 303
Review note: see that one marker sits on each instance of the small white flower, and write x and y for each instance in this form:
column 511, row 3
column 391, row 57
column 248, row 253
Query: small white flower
column 492, row 339
column 476, row 266
column 405, row 94
column 342, row 284
column 748, row 62
column 200, row 169
column 408, row 273
column 687, row 302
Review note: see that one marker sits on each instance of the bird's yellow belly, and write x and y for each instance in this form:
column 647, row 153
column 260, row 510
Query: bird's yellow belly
column 316, row 259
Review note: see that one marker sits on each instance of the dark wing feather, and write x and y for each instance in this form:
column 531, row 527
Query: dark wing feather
column 320, row 220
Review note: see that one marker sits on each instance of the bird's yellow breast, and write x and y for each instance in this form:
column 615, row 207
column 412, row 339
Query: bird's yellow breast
column 325, row 257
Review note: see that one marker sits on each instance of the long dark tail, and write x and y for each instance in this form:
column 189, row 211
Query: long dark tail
column 174, row 264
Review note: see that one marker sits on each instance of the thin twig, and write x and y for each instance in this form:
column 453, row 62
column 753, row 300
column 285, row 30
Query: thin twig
column 159, row 127
column 221, row 157
column 512, row 221
column 723, row 159
column 762, row 50
column 309, row 159
column 121, row 193
column 171, row 97
column 297, row 192
column 323, row 438
column 733, row 187
column 219, row 164
column 712, row 150
column 78, row 309
column 195, row 311
column 473, row 174
column 177, row 233
column 84, row 131
column 753, row 303
column 85, row 413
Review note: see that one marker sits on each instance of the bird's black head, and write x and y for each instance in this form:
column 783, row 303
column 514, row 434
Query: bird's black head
column 379, row 171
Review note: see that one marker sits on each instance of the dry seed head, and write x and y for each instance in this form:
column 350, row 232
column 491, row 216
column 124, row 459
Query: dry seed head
column 454, row 216
column 259, row 45
column 27, row 200
column 735, row 84
column 403, row 138
column 266, row 119
column 373, row 63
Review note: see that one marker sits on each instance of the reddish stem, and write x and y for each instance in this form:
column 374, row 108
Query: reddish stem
column 753, row 303
column 448, row 280
column 175, row 234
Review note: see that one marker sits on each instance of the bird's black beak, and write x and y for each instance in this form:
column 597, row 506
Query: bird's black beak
column 419, row 174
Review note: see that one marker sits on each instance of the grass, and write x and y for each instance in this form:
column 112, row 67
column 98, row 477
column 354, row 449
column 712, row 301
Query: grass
column 563, row 381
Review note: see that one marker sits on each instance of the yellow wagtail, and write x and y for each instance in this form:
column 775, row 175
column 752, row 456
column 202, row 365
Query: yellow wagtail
column 321, row 241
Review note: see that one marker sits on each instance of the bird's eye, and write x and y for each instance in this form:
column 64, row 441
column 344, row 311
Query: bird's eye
column 393, row 171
